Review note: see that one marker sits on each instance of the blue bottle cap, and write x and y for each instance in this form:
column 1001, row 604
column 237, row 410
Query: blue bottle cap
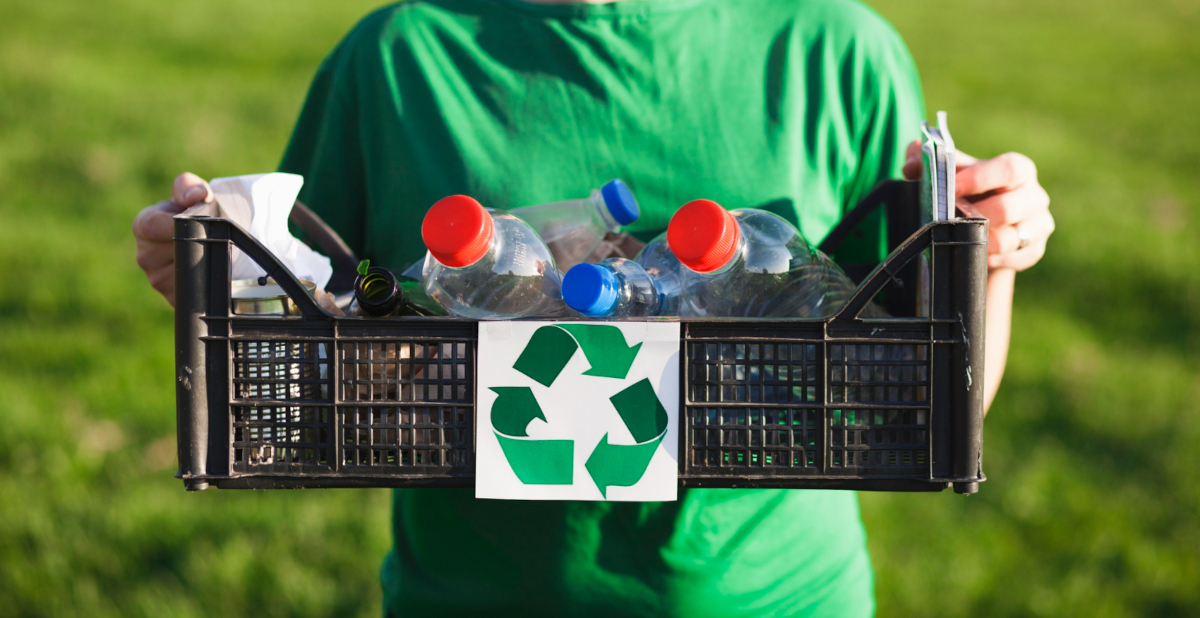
column 590, row 289
column 620, row 202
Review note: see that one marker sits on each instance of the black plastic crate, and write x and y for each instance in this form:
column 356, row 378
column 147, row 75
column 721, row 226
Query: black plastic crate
column 321, row 401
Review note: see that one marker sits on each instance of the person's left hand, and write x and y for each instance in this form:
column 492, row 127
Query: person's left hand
column 1004, row 190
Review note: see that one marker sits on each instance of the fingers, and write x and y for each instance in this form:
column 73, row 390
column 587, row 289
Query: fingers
column 163, row 280
column 152, row 256
column 1005, row 172
column 155, row 223
column 1007, row 238
column 912, row 160
column 190, row 189
column 154, row 229
column 1004, row 242
column 1018, row 260
column 1006, row 192
column 157, row 259
column 1010, row 207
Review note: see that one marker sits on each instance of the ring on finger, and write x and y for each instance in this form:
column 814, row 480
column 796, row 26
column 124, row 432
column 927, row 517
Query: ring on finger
column 1024, row 237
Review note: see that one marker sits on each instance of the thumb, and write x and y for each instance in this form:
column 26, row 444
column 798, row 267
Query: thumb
column 189, row 190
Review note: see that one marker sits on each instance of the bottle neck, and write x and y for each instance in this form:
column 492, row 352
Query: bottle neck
column 377, row 292
column 637, row 287
column 738, row 257
column 607, row 221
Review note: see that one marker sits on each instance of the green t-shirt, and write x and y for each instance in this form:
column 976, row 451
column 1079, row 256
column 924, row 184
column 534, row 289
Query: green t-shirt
column 796, row 106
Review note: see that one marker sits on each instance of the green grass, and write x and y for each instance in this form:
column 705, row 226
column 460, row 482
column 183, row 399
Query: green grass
column 1091, row 446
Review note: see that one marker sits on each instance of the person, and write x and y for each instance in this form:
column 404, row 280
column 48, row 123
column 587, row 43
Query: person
column 797, row 106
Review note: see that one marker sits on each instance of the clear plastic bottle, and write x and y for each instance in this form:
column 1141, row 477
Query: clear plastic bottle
column 617, row 288
column 752, row 263
column 666, row 270
column 573, row 229
column 488, row 264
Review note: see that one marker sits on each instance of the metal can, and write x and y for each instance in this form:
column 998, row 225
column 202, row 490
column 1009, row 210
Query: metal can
column 263, row 296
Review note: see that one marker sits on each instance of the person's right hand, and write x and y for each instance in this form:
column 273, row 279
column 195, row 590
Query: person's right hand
column 154, row 228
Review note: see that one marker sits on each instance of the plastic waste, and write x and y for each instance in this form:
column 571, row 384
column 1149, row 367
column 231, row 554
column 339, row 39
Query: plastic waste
column 619, row 287
column 487, row 264
column 574, row 229
column 752, row 263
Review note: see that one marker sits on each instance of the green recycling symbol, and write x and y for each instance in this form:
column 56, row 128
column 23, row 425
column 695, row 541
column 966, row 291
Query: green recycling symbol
column 551, row 462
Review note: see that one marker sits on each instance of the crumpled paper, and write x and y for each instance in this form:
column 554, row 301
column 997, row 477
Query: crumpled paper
column 261, row 204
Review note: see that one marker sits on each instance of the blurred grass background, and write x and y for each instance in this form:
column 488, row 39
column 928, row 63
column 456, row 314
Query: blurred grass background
column 1091, row 446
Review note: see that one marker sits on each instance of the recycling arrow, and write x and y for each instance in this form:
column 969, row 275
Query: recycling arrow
column 535, row 462
column 514, row 409
column 551, row 348
column 623, row 465
column 619, row 464
column 605, row 349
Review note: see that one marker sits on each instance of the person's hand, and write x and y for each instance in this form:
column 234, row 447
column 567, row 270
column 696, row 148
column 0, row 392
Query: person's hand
column 154, row 228
column 1004, row 190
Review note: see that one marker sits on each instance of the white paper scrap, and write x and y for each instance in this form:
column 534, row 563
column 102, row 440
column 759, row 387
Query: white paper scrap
column 262, row 203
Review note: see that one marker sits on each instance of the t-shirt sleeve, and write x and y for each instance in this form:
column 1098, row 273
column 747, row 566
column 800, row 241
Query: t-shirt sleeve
column 888, row 106
column 326, row 149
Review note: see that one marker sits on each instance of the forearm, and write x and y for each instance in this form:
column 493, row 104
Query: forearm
column 997, row 329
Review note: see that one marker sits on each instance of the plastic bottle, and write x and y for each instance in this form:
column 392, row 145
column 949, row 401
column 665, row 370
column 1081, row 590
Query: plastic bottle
column 618, row 287
column 487, row 264
column 752, row 263
column 573, row 229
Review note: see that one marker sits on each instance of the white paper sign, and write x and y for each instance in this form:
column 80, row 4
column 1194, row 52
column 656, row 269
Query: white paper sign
column 578, row 411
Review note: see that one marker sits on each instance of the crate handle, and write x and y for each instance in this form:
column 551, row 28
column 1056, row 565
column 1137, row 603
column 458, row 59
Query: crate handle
column 890, row 268
column 330, row 243
column 275, row 270
column 222, row 229
column 902, row 202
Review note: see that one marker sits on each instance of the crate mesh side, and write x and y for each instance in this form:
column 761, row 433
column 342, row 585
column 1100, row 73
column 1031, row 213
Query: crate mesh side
column 290, row 427
column 879, row 373
column 407, row 404
column 888, row 428
column 779, row 432
column 405, row 371
column 280, row 370
column 878, row 438
column 755, row 437
column 276, row 438
column 753, row 373
column 407, row 436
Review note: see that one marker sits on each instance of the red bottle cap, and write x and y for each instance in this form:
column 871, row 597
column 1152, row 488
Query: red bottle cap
column 457, row 231
column 703, row 235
